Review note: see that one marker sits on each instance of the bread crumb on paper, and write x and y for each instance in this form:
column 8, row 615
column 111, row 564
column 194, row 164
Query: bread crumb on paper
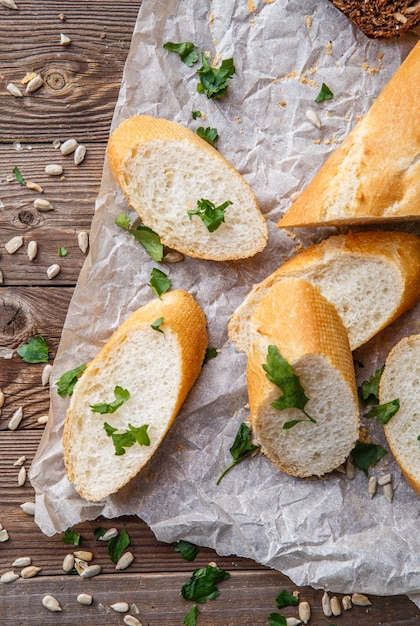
column 328, row 48
column 308, row 19
column 307, row 81
column 250, row 5
column 211, row 18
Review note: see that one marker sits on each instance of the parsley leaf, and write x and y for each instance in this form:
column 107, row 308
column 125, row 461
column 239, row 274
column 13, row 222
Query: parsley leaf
column 159, row 282
column 208, row 134
column 34, row 351
column 211, row 353
column 99, row 532
column 186, row 51
column 324, row 94
column 384, row 412
column 280, row 373
column 71, row 536
column 66, row 382
column 366, row 454
column 121, row 395
column 190, row 618
column 240, row 449
column 144, row 235
column 202, row 584
column 369, row 389
column 156, row 325
column 187, row 550
column 285, row 598
column 214, row 81
column 211, row 216
column 128, row 438
column 118, row 544
column 62, row 251
column 18, row 175
column 196, row 114
column 275, row 619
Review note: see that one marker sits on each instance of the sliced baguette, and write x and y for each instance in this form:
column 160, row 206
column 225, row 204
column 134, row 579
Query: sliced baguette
column 164, row 169
column 401, row 379
column 370, row 277
column 309, row 334
column 157, row 368
column 374, row 175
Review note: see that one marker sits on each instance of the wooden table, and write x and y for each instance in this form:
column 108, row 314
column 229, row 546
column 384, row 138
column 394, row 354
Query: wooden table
column 81, row 83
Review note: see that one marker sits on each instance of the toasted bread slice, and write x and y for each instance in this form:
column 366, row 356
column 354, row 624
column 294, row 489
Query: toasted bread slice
column 370, row 277
column 157, row 366
column 374, row 175
column 401, row 379
column 164, row 169
column 309, row 334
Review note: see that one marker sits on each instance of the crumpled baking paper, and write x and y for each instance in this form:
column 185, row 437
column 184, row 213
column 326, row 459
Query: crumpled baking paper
column 325, row 533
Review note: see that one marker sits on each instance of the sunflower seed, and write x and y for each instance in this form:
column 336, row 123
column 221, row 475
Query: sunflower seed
column 326, row 605
column 20, row 461
column 28, row 508
column 173, row 256
column 10, row 4
column 372, row 485
column 14, row 91
column 384, row 480
column 68, row 147
column 30, row 571
column 64, row 40
column 83, row 555
column 16, row 419
column 54, row 169
column 304, row 612
column 388, row 491
column 34, row 84
column 43, row 205
column 22, row 476
column 9, row 577
column 23, row 561
column 4, row 535
column 335, row 606
column 14, row 244
column 134, row 608
column 42, row 420
column 109, row 534
column 1, row 277
column 350, row 471
column 84, row 598
column 46, row 373
column 124, row 561
column 1, row 398
column 80, row 566
column 130, row 620
column 83, row 241
column 90, row 571
column 292, row 621
column 53, row 270
column 120, row 607
column 360, row 600
column 313, row 118
column 56, row 144
column 51, row 604
column 68, row 562
column 34, row 186
column 79, row 155
column 32, row 250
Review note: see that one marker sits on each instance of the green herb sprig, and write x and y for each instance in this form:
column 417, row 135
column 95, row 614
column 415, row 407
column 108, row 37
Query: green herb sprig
column 159, row 282
column 66, row 382
column 187, row 550
column 121, row 396
column 122, row 440
column 202, row 584
column 70, row 536
column 366, row 454
column 324, row 94
column 186, row 51
column 144, row 235
column 34, row 351
column 190, row 618
column 208, row 134
column 214, row 81
column 240, row 449
column 212, row 216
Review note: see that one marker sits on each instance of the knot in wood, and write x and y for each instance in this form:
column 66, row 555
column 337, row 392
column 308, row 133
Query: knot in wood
column 16, row 322
column 56, row 81
column 26, row 217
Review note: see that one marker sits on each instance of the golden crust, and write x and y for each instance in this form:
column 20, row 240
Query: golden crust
column 374, row 175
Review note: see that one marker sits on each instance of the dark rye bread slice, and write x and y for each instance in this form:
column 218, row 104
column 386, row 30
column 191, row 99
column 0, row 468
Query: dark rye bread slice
column 381, row 18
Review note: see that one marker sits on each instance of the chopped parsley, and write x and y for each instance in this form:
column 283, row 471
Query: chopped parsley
column 144, row 235
column 324, row 94
column 117, row 545
column 187, row 550
column 281, row 374
column 186, row 51
column 99, row 532
column 211, row 353
column 62, row 251
column 65, row 384
column 240, row 449
column 211, row 216
column 365, row 454
column 121, row 396
column 285, row 598
column 202, row 584
column 196, row 114
column 368, row 391
column 190, row 618
column 34, row 351
column 122, row 440
column 214, row 82
column 18, row 175
column 156, row 325
column 159, row 282
column 275, row 619
column 384, row 412
column 208, row 134
column 71, row 536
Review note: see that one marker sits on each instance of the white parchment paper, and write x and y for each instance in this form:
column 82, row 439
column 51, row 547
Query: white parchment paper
column 326, row 533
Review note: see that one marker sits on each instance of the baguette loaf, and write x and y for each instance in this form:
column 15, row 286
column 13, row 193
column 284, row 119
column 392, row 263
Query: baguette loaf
column 309, row 334
column 370, row 277
column 401, row 379
column 377, row 18
column 374, row 175
column 157, row 368
column 164, row 169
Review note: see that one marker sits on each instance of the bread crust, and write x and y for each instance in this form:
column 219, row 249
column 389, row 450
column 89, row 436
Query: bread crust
column 374, row 175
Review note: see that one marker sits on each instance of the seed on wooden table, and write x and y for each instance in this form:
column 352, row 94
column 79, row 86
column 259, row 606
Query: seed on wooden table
column 90, row 571
column 80, row 566
column 28, row 508
column 14, row 90
column 350, row 471
column 68, row 562
column 56, row 144
column 42, row 420
column 32, row 250
column 46, row 373
column 64, row 40
column 84, row 598
column 83, row 241
column 388, row 491
column 8, row 577
column 54, row 169
column 326, row 605
column 335, row 606
column 346, row 602
column 1, row 398
column 43, row 205
column 124, row 561
column 34, row 84
column 1, row 277
column 313, row 118
column 304, row 612
column 79, row 155
column 16, row 419
column 360, row 600
column 83, row 555
column 384, row 480
column 51, row 604
column 292, row 621
column 22, row 561
column 69, row 146
column 53, row 270
column 109, row 534
column 22, row 476
column 4, row 535
column 14, row 244
column 173, row 256
column 34, row 186
column 120, row 607
column 20, row 461
column 130, row 620
column 372, row 485
column 134, row 608
column 30, row 571
column 10, row 4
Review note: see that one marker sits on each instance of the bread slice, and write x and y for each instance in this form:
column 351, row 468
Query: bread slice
column 401, row 379
column 157, row 368
column 374, row 175
column 164, row 169
column 377, row 18
column 370, row 277
column 309, row 334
